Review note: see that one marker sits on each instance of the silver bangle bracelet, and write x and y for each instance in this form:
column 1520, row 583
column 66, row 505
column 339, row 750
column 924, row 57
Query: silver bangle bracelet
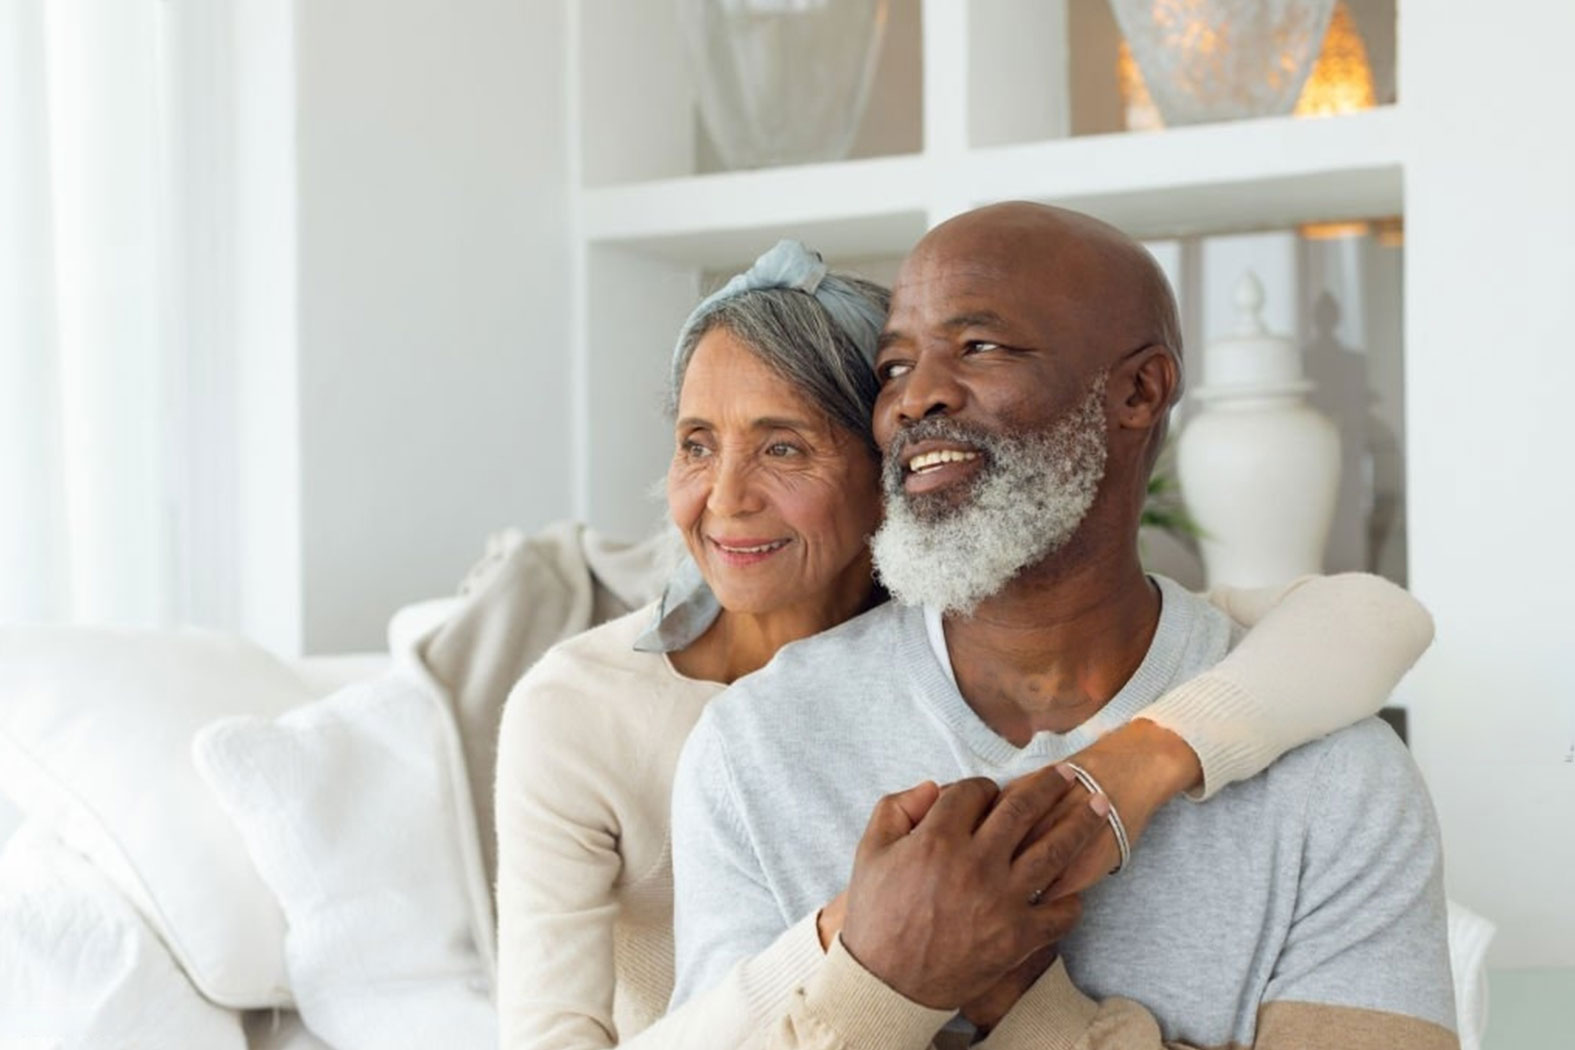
column 1085, row 778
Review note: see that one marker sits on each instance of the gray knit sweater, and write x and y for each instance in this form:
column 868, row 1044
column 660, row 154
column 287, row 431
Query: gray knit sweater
column 1315, row 887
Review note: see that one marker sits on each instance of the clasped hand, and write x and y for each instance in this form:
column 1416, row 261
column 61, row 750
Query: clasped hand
column 954, row 900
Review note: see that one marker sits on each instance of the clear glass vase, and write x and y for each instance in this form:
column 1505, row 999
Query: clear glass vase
column 1208, row 60
column 782, row 81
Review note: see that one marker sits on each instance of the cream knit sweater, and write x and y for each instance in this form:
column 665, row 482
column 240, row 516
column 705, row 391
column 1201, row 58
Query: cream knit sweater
column 591, row 738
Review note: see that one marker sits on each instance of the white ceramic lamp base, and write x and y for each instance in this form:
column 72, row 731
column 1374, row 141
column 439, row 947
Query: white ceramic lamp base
column 1260, row 478
column 1259, row 468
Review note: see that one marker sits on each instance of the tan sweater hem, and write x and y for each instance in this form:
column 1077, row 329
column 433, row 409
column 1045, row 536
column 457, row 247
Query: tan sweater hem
column 863, row 1011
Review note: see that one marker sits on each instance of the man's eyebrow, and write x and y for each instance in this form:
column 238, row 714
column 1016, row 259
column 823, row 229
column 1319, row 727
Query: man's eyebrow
column 958, row 322
column 890, row 337
column 975, row 319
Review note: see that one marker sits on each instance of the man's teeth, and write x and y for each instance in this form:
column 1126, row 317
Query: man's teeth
column 763, row 548
column 934, row 459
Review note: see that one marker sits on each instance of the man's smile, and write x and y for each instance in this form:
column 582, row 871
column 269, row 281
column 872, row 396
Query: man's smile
column 928, row 466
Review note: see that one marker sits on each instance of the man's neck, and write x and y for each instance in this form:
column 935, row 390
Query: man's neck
column 1056, row 644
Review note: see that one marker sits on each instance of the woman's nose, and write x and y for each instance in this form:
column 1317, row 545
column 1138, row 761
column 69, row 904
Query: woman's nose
column 733, row 491
column 930, row 389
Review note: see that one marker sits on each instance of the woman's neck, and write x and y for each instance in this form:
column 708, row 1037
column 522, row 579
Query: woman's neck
column 737, row 644
column 740, row 643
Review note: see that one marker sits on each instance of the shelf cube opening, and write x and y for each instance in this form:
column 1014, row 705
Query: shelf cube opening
column 1336, row 289
column 1039, row 71
column 638, row 110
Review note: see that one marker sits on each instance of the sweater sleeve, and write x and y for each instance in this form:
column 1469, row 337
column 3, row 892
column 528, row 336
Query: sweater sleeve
column 560, row 773
column 1323, row 652
column 558, row 864
column 845, row 1007
column 1055, row 1015
column 736, row 1010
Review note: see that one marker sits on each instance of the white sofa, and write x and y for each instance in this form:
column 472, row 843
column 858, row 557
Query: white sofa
column 206, row 846
column 124, row 840
column 71, row 759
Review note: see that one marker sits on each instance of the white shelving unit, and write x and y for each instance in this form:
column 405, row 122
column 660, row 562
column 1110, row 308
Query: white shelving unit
column 651, row 226
column 1255, row 174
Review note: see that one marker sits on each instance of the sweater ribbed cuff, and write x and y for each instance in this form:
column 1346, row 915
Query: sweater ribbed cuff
column 1051, row 1015
column 1224, row 724
column 866, row 1014
column 770, row 978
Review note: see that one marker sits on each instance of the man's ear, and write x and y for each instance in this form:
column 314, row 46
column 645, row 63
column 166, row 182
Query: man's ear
column 1144, row 385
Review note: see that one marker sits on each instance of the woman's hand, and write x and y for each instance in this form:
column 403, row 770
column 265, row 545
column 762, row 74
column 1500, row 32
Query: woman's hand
column 1141, row 766
column 829, row 921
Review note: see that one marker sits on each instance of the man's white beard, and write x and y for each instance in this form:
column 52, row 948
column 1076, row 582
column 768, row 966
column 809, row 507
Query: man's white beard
column 1029, row 498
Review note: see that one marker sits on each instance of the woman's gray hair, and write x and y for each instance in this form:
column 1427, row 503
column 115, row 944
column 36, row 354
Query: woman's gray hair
column 815, row 328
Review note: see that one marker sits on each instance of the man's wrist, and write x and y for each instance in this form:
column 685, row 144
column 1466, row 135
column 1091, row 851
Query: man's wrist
column 878, row 963
column 1051, row 1013
column 863, row 1009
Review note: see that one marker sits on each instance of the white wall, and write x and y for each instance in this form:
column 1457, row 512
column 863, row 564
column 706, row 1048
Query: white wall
column 432, row 276
column 1490, row 206
column 268, row 512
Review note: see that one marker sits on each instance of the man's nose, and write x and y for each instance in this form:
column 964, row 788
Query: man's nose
column 931, row 389
column 733, row 490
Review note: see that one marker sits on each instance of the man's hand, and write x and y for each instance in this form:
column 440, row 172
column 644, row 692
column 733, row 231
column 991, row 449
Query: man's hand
column 912, row 804
column 939, row 909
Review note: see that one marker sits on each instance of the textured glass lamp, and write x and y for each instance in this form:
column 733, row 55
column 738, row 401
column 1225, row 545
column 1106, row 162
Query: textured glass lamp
column 1212, row 60
column 1341, row 80
column 782, row 81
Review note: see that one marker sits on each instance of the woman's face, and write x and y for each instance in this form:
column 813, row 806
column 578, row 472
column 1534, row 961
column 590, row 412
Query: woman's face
column 773, row 498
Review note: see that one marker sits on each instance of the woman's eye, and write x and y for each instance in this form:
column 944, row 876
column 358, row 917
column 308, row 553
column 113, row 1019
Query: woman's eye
column 693, row 449
column 782, row 448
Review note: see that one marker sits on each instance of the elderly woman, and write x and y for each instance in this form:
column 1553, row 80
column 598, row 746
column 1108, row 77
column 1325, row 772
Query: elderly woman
column 774, row 487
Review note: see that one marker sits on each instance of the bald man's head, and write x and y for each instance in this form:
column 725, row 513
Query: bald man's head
column 1096, row 275
column 1027, row 369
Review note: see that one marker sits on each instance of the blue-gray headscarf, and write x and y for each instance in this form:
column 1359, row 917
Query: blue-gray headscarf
column 688, row 608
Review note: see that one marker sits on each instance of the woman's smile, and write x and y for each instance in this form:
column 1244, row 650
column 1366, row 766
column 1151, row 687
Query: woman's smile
column 742, row 553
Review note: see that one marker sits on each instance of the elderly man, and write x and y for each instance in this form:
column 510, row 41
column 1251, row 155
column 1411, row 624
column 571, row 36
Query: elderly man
column 1028, row 368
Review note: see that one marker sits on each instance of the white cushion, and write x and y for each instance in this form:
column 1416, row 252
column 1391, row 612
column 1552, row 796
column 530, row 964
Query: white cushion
column 351, row 809
column 80, row 968
column 95, row 741
column 1469, row 937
